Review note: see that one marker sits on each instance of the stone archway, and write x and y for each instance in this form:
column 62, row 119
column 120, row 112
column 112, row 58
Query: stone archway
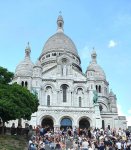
column 66, row 123
column 48, row 122
column 84, row 123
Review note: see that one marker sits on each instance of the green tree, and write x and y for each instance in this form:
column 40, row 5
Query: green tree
column 16, row 102
column 5, row 76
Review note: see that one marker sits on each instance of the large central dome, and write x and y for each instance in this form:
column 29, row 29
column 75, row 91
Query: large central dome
column 59, row 42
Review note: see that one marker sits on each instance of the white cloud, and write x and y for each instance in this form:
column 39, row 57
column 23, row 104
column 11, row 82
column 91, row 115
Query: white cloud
column 112, row 44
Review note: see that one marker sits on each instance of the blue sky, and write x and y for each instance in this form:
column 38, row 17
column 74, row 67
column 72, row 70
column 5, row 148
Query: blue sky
column 105, row 25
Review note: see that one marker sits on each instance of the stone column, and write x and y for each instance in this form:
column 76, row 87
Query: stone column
column 98, row 120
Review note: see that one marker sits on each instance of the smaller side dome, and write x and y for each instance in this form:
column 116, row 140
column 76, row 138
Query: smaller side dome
column 93, row 66
column 25, row 67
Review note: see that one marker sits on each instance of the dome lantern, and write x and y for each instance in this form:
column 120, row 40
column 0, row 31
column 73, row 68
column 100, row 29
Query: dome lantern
column 27, row 51
column 94, row 56
column 60, row 23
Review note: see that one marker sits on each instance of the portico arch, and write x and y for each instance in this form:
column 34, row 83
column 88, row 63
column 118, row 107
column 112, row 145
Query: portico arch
column 84, row 122
column 47, row 121
column 65, row 122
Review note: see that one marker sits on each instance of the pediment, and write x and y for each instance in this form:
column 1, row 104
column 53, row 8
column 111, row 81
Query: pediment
column 50, row 73
column 69, row 73
column 78, row 76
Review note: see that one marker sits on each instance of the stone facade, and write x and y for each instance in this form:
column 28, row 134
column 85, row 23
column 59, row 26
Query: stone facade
column 66, row 93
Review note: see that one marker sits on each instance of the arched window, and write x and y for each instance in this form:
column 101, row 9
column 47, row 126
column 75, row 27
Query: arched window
column 99, row 89
column 80, row 91
column 109, row 127
column 96, row 88
column 48, row 100
column 48, row 88
column 26, row 83
column 53, row 54
column 103, row 124
column 64, row 89
column 79, row 101
column 22, row 83
column 48, row 55
column 100, row 107
column 60, row 24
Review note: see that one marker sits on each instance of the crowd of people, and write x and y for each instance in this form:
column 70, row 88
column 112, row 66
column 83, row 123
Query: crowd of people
column 44, row 138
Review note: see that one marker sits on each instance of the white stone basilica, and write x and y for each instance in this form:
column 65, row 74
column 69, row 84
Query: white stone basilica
column 66, row 93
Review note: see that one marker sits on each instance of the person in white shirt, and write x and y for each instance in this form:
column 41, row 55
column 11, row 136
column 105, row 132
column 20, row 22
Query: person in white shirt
column 90, row 148
column 119, row 145
column 85, row 144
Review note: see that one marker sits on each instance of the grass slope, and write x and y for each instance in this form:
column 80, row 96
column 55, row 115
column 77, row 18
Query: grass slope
column 8, row 142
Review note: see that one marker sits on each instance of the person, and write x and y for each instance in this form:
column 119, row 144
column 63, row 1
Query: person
column 90, row 148
column 30, row 133
column 85, row 144
column 58, row 146
column 1, row 124
column 52, row 144
column 4, row 129
column 89, row 133
column 75, row 145
column 19, row 129
column 102, row 146
column 69, row 143
column 119, row 145
column 125, row 145
column 33, row 145
column 110, row 147
column 128, row 144
column 41, row 146
column 13, row 130
column 26, row 130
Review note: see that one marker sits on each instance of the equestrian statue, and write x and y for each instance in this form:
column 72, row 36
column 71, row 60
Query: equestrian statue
column 95, row 97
